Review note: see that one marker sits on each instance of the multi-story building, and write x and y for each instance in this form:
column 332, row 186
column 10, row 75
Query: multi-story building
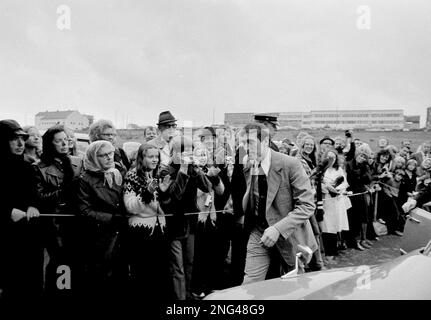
column 70, row 118
column 331, row 119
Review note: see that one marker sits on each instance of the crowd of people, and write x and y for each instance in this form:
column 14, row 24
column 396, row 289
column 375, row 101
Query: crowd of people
column 189, row 212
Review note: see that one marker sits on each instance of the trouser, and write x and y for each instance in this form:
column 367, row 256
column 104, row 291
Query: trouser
column 149, row 264
column 181, row 266
column 211, row 248
column 239, row 253
column 330, row 243
column 259, row 259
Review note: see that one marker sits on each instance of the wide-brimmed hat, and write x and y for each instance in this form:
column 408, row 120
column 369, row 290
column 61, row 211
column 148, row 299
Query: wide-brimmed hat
column 166, row 117
column 10, row 128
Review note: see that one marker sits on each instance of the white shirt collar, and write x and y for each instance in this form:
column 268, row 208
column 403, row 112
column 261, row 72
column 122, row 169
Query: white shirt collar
column 265, row 163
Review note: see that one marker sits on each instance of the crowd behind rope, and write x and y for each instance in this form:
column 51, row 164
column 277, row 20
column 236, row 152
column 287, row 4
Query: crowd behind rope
column 164, row 219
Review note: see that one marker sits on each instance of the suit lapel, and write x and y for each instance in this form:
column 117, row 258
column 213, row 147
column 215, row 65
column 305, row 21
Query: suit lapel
column 274, row 178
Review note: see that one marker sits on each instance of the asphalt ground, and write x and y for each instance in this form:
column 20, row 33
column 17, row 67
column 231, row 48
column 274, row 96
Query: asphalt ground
column 384, row 250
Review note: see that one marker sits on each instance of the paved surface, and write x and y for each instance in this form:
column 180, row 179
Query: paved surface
column 386, row 249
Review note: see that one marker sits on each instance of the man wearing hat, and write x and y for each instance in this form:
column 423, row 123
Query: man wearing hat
column 167, row 127
column 271, row 123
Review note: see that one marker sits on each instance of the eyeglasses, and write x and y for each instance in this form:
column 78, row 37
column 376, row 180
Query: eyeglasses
column 172, row 125
column 109, row 134
column 107, row 155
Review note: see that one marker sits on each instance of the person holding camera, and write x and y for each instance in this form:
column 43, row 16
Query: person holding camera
column 180, row 198
column 148, row 246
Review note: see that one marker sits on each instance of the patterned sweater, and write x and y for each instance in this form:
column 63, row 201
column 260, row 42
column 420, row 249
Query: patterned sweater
column 142, row 204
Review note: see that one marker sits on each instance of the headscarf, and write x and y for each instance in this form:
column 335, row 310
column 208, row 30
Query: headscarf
column 92, row 163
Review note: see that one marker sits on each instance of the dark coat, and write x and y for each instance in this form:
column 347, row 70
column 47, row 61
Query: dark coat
column 180, row 198
column 21, row 252
column 103, row 224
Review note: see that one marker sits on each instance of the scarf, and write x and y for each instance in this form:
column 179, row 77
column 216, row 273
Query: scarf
column 92, row 163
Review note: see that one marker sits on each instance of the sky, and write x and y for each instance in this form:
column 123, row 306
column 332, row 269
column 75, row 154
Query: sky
column 127, row 61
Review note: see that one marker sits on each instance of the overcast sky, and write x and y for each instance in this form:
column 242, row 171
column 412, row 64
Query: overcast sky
column 129, row 60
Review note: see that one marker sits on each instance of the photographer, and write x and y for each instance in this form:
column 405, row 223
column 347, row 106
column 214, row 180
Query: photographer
column 180, row 198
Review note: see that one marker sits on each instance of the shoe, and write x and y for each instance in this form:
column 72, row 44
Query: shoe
column 198, row 296
column 365, row 245
column 398, row 233
column 359, row 247
column 368, row 242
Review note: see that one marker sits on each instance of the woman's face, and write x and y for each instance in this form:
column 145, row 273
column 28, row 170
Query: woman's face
column 308, row 146
column 384, row 158
column 61, row 143
column 399, row 163
column 151, row 158
column 411, row 167
column 105, row 155
column 34, row 139
column 17, row 145
column 200, row 157
column 109, row 134
column 361, row 158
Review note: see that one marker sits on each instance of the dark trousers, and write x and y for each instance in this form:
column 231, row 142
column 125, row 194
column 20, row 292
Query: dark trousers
column 211, row 248
column 330, row 243
column 149, row 264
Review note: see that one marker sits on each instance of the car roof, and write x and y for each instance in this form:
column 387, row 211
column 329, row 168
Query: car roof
column 392, row 280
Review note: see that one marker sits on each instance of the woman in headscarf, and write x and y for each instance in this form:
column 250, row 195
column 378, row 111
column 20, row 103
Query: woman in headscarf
column 148, row 246
column 56, row 178
column 100, row 201
column 21, row 253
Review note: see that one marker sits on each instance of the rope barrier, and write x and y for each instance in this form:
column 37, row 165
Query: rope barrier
column 152, row 216
column 188, row 213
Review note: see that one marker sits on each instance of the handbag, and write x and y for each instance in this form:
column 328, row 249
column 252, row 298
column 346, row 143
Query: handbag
column 379, row 228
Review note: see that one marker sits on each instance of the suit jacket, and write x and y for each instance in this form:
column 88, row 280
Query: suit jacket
column 289, row 204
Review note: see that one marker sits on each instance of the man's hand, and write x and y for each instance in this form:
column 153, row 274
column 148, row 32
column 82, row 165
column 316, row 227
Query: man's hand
column 32, row 212
column 270, row 237
column 409, row 205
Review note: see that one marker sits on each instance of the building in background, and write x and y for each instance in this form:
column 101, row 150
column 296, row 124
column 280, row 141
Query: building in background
column 333, row 119
column 428, row 123
column 70, row 118
column 412, row 122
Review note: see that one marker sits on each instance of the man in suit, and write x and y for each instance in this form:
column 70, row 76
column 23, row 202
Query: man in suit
column 278, row 203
